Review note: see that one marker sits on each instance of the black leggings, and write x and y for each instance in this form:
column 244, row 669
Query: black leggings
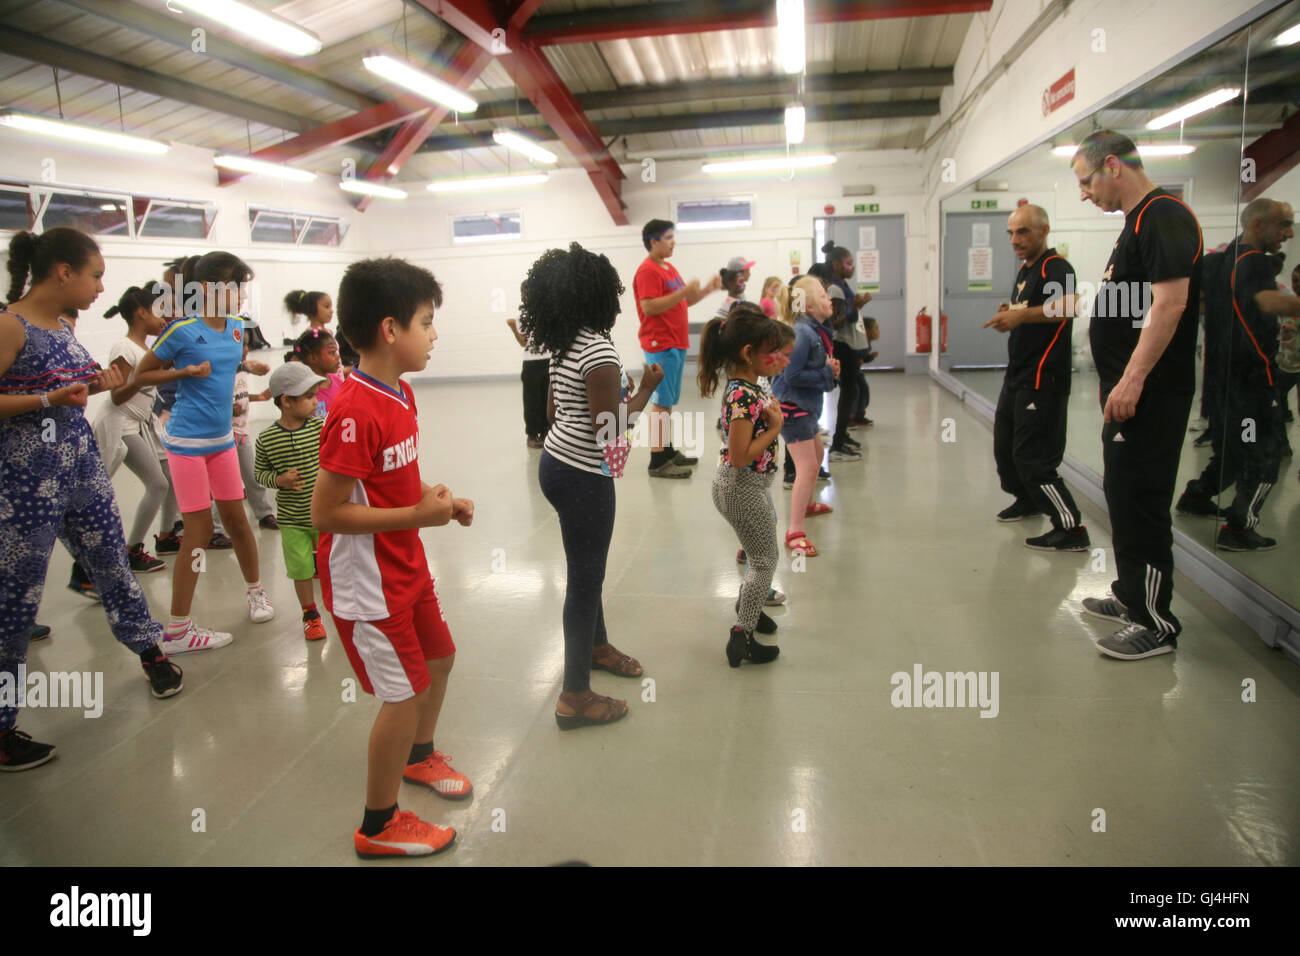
column 848, row 404
column 585, row 504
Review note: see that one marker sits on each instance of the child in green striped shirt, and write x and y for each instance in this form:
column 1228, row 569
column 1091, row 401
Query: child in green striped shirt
column 287, row 457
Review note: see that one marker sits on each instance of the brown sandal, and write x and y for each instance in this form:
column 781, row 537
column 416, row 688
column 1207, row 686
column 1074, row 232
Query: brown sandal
column 617, row 663
column 595, row 709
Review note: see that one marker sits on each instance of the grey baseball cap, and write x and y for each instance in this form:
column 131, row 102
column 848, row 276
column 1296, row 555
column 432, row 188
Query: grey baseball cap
column 293, row 379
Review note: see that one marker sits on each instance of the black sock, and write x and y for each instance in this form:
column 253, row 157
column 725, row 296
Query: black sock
column 151, row 655
column 375, row 820
column 420, row 752
column 657, row 458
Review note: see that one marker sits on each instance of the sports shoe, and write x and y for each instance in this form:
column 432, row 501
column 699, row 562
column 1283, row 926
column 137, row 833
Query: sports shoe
column 435, row 772
column 787, row 482
column 535, row 443
column 19, row 752
column 670, row 469
column 1200, row 505
column 220, row 542
column 39, row 632
column 259, row 606
column 1061, row 539
column 164, row 677
column 405, row 834
column 680, row 458
column 1109, row 608
column 774, row 598
column 169, row 543
column 313, row 628
column 194, row 639
column 1134, row 642
column 852, row 443
column 823, row 476
column 142, row 561
column 84, row 588
column 1230, row 539
column 269, row 523
column 740, row 556
column 1018, row 509
column 846, row 454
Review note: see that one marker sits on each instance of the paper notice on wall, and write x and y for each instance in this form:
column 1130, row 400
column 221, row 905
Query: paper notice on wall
column 979, row 269
column 979, row 234
column 869, row 270
column 866, row 237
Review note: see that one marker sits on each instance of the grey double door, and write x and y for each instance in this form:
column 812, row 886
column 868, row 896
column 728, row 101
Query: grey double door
column 967, row 305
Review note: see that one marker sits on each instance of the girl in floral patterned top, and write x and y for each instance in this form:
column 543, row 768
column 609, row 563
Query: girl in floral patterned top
column 744, row 344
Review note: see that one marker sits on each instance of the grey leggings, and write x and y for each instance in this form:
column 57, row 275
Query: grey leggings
column 142, row 460
column 258, row 495
column 744, row 498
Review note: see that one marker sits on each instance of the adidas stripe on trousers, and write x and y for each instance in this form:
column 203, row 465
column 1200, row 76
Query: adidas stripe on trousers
column 1141, row 472
column 1028, row 444
column 1248, row 441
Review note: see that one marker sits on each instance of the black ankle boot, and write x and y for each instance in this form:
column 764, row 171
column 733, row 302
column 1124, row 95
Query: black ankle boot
column 757, row 653
column 765, row 624
column 736, row 647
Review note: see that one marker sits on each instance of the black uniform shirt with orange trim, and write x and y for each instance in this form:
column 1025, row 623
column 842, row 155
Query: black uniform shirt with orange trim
column 1038, row 353
column 1161, row 240
column 1251, row 343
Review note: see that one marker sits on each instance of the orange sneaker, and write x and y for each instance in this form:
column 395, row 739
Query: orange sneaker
column 405, row 835
column 314, row 629
column 435, row 772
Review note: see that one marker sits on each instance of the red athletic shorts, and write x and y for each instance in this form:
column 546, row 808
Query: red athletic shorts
column 388, row 656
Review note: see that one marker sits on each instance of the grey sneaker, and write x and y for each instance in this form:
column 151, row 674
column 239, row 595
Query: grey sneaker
column 1108, row 607
column 670, row 469
column 1134, row 642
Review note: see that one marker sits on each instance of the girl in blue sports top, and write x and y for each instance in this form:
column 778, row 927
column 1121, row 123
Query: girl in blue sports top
column 198, row 437
column 52, row 479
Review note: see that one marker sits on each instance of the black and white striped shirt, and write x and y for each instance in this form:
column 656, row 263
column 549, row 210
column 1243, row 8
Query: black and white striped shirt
column 571, row 439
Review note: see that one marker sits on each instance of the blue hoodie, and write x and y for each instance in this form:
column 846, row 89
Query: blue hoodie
column 807, row 378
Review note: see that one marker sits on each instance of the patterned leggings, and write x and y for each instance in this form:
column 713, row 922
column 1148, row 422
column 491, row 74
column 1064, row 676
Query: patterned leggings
column 744, row 498
column 59, row 489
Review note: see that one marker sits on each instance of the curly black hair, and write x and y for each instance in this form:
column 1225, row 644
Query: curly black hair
column 566, row 292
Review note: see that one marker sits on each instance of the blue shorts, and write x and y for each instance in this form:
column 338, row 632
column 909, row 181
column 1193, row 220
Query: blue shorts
column 673, row 362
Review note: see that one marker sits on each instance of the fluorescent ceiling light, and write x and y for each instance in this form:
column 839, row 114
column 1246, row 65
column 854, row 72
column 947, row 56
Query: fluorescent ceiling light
column 261, row 26
column 1207, row 102
column 769, row 163
column 109, row 206
column 367, row 188
column 246, row 165
column 522, row 144
column 790, row 35
column 1149, row 151
column 487, row 182
column 715, row 224
column 1287, row 37
column 795, row 121
column 419, row 82
column 82, row 134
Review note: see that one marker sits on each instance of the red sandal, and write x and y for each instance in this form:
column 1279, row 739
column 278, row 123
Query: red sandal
column 796, row 541
column 819, row 508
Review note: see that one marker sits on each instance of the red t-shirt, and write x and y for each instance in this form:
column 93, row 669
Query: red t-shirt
column 371, row 435
column 667, row 330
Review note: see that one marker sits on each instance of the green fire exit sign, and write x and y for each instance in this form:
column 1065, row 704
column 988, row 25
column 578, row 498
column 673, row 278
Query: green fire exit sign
column 866, row 207
column 984, row 204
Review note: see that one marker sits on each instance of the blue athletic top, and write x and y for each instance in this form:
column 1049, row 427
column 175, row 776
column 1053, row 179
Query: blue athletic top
column 200, row 419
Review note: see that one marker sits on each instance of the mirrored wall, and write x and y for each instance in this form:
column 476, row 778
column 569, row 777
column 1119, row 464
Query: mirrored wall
column 1220, row 161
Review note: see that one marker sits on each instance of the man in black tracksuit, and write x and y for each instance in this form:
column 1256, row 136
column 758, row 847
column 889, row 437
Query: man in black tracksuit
column 1029, row 427
column 1143, row 336
column 1241, row 287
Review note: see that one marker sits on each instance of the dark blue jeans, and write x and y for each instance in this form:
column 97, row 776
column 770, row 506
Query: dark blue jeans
column 585, row 503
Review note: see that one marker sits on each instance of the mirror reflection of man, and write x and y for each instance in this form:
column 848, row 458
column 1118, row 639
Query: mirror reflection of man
column 1029, row 426
column 1241, row 286
column 1146, row 361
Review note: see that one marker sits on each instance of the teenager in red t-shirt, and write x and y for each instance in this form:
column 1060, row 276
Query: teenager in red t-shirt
column 369, row 504
column 661, row 301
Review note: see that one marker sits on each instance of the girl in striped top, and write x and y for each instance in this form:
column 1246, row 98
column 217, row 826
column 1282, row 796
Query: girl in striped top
column 569, row 303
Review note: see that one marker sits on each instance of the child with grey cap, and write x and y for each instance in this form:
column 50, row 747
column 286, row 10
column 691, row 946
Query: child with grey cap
column 287, row 457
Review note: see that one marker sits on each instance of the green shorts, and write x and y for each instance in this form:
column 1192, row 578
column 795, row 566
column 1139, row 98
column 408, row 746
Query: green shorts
column 299, row 546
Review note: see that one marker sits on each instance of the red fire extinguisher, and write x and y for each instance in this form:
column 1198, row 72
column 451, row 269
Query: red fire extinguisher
column 924, row 332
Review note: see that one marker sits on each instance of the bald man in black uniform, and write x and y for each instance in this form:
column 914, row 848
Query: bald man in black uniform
column 1143, row 336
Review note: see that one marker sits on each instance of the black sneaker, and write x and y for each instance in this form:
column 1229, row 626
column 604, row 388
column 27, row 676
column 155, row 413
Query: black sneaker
column 855, row 445
column 1133, row 642
column 765, row 624
column 1061, row 539
column 787, row 482
column 269, row 523
column 823, row 475
column 1230, row 539
column 169, row 543
column 19, row 752
column 1018, row 509
column 164, row 677
column 220, row 542
column 84, row 588
column 1110, row 608
column 1199, row 505
column 142, row 561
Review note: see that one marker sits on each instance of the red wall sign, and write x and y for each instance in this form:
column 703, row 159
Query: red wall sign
column 1059, row 93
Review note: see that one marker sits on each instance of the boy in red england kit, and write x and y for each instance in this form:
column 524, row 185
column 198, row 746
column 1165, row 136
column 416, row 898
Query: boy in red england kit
column 369, row 504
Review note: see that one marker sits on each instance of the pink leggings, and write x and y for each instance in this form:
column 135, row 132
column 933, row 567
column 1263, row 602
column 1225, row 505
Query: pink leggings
column 200, row 479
